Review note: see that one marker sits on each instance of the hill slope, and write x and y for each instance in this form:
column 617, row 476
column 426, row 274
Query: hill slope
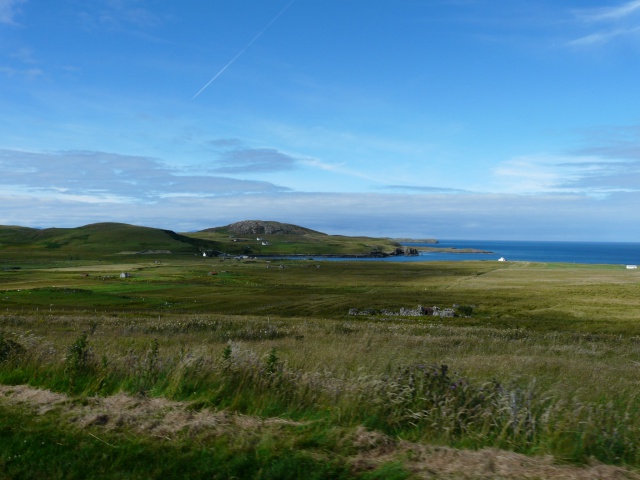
column 96, row 240
column 251, row 237
column 258, row 237
column 261, row 227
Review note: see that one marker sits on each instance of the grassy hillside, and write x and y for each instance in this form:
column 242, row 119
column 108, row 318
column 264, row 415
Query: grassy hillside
column 94, row 241
column 104, row 240
column 255, row 237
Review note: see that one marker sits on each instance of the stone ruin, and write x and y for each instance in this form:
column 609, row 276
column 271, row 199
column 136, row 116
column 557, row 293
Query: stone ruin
column 420, row 311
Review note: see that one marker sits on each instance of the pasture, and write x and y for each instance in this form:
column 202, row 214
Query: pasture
column 260, row 362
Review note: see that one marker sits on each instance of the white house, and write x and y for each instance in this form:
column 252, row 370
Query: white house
column 502, row 259
column 632, row 267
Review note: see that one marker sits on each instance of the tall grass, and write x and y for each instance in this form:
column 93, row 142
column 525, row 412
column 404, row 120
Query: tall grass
column 306, row 370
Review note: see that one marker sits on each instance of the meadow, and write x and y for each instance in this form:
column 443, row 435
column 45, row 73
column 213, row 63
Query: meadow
column 255, row 368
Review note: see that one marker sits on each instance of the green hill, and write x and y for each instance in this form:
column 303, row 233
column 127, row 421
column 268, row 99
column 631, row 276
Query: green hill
column 262, row 227
column 95, row 241
column 258, row 237
column 251, row 237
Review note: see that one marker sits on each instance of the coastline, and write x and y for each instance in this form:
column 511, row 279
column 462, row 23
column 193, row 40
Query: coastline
column 311, row 256
column 454, row 250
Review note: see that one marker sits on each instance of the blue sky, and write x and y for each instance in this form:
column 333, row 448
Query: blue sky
column 487, row 119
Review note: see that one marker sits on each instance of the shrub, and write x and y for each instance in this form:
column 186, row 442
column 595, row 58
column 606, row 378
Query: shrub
column 9, row 349
column 78, row 361
column 464, row 310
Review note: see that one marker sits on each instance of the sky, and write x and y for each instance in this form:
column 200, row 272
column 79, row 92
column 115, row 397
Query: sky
column 469, row 119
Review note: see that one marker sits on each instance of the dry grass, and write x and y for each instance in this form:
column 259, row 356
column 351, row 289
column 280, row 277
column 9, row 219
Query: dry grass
column 164, row 419
column 152, row 416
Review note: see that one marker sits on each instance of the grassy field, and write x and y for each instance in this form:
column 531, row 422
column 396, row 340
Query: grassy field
column 203, row 367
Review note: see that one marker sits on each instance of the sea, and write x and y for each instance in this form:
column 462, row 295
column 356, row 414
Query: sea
column 611, row 253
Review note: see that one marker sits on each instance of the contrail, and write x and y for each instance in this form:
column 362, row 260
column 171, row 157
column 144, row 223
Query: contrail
column 256, row 37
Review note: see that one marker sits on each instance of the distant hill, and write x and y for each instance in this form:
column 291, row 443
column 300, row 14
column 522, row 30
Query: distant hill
column 249, row 237
column 261, row 227
column 259, row 237
column 96, row 240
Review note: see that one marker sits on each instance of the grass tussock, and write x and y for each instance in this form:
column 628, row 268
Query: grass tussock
column 270, row 375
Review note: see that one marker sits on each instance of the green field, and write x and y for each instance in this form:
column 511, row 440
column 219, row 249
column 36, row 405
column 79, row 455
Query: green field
column 216, row 368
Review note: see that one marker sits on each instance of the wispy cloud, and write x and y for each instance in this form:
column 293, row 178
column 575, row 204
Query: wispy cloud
column 253, row 160
column 530, row 174
column 611, row 22
column 600, row 38
column 8, row 11
column 488, row 216
column 24, row 55
column 608, row 163
column 74, row 188
column 25, row 73
column 107, row 176
column 423, row 189
column 614, row 160
column 607, row 178
column 25, row 65
column 131, row 13
column 613, row 143
column 610, row 13
column 121, row 16
column 234, row 156
column 544, row 174
column 340, row 169
column 227, row 143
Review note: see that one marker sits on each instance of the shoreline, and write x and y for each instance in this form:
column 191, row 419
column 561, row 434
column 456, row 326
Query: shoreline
column 310, row 256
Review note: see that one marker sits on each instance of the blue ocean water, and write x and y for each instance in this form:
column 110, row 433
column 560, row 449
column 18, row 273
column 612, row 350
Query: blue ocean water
column 563, row 252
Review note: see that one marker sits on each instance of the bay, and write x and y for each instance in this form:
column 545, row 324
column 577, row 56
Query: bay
column 612, row 253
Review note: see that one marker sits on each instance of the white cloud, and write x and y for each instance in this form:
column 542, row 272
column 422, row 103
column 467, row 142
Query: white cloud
column 253, row 160
column 101, row 175
column 342, row 169
column 610, row 13
column 490, row 216
column 26, row 73
column 8, row 11
column 621, row 21
column 590, row 175
column 608, row 162
column 600, row 38
column 424, row 189
column 533, row 174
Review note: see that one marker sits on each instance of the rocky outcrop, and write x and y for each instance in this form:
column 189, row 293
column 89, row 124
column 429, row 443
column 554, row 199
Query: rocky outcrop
column 406, row 251
column 420, row 311
column 261, row 227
